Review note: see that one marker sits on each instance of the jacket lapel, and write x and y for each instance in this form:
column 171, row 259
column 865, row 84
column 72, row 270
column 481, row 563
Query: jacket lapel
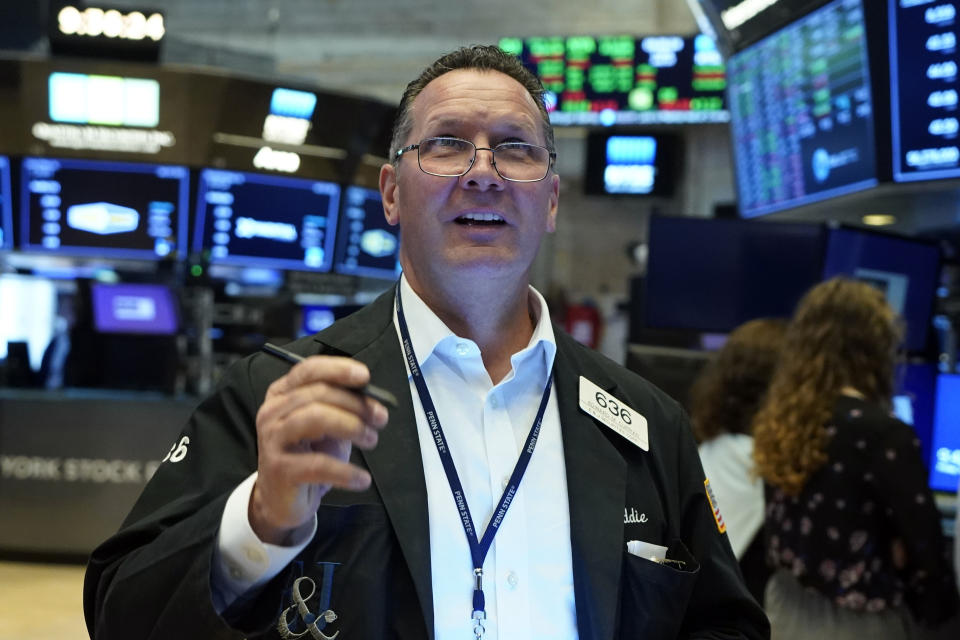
column 395, row 463
column 596, row 488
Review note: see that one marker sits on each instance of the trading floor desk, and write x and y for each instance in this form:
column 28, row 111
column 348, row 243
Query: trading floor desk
column 72, row 464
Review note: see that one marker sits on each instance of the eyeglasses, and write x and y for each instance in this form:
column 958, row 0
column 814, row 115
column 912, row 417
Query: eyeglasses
column 453, row 157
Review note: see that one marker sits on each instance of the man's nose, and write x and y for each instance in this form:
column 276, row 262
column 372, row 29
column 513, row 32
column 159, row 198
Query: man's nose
column 483, row 172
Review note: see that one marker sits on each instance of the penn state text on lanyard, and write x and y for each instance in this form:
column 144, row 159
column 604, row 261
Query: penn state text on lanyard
column 478, row 548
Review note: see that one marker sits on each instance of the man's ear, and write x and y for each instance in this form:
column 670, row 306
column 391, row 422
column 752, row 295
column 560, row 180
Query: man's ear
column 388, row 192
column 554, row 202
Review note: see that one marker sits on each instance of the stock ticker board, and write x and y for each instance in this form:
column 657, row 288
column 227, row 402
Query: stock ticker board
column 802, row 112
column 623, row 80
column 924, row 64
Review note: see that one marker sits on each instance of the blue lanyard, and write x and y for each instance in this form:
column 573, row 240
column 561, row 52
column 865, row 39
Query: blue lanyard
column 478, row 548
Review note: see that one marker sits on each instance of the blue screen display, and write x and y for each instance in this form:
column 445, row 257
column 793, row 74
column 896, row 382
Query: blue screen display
column 945, row 457
column 249, row 219
column 6, row 208
column 905, row 270
column 802, row 112
column 104, row 209
column 366, row 244
column 914, row 391
column 713, row 275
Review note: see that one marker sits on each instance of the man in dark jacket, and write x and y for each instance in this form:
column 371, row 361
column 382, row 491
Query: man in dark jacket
column 524, row 486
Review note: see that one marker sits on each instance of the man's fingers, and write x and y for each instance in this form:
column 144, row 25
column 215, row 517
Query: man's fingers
column 323, row 469
column 281, row 405
column 336, row 370
column 317, row 422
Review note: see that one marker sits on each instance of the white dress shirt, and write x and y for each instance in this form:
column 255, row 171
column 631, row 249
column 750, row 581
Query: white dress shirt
column 528, row 573
column 728, row 464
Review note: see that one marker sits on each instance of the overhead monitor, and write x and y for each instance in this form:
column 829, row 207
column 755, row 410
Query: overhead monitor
column 103, row 209
column 802, row 112
column 924, row 61
column 714, row 275
column 945, row 457
column 250, row 219
column 626, row 164
column 737, row 23
column 907, row 270
column 6, row 206
column 134, row 308
column 611, row 80
column 366, row 244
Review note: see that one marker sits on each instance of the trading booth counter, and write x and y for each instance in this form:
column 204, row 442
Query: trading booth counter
column 73, row 463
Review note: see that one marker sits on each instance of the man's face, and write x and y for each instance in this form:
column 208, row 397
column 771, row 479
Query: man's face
column 445, row 222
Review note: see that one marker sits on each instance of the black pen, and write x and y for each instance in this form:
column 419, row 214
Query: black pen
column 375, row 392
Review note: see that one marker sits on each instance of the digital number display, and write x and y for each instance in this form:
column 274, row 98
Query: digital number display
column 626, row 80
column 802, row 112
column 923, row 84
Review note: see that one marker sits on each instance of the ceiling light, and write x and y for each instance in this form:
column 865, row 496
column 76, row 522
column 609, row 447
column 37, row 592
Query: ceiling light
column 879, row 219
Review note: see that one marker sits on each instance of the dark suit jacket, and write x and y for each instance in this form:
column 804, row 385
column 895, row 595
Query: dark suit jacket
column 152, row 579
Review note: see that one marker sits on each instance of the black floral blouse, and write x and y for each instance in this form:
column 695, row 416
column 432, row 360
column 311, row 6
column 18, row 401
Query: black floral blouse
column 868, row 504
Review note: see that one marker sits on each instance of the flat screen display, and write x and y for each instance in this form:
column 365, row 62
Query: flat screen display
column 713, row 275
column 104, row 209
column 6, row 207
column 906, row 270
column 134, row 308
column 802, row 112
column 366, row 244
column 923, row 85
column 913, row 400
column 637, row 165
column 317, row 317
column 626, row 80
column 945, row 457
column 740, row 22
column 249, row 219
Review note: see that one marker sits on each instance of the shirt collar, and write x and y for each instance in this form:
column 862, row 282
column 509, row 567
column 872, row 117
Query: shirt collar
column 427, row 331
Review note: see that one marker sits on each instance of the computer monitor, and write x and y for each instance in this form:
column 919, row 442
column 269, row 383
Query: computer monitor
column 317, row 317
column 913, row 400
column 714, row 275
column 923, row 89
column 945, row 457
column 250, row 219
column 625, row 164
column 6, row 206
column 366, row 244
column 104, row 209
column 134, row 308
column 801, row 112
column 906, row 269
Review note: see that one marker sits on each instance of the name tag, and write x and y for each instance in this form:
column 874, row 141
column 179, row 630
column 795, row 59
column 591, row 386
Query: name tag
column 613, row 413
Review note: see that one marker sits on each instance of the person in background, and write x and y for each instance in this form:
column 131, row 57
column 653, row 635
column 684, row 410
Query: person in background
column 298, row 506
column 852, row 530
column 723, row 401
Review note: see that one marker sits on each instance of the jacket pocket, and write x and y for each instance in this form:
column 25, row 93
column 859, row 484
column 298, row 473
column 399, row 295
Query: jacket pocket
column 655, row 595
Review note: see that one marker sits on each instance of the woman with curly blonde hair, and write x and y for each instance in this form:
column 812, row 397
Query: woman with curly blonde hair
column 852, row 529
column 723, row 401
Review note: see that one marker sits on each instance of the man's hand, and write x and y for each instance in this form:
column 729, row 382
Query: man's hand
column 306, row 427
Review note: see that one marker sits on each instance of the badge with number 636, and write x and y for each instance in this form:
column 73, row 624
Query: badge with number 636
column 613, row 413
